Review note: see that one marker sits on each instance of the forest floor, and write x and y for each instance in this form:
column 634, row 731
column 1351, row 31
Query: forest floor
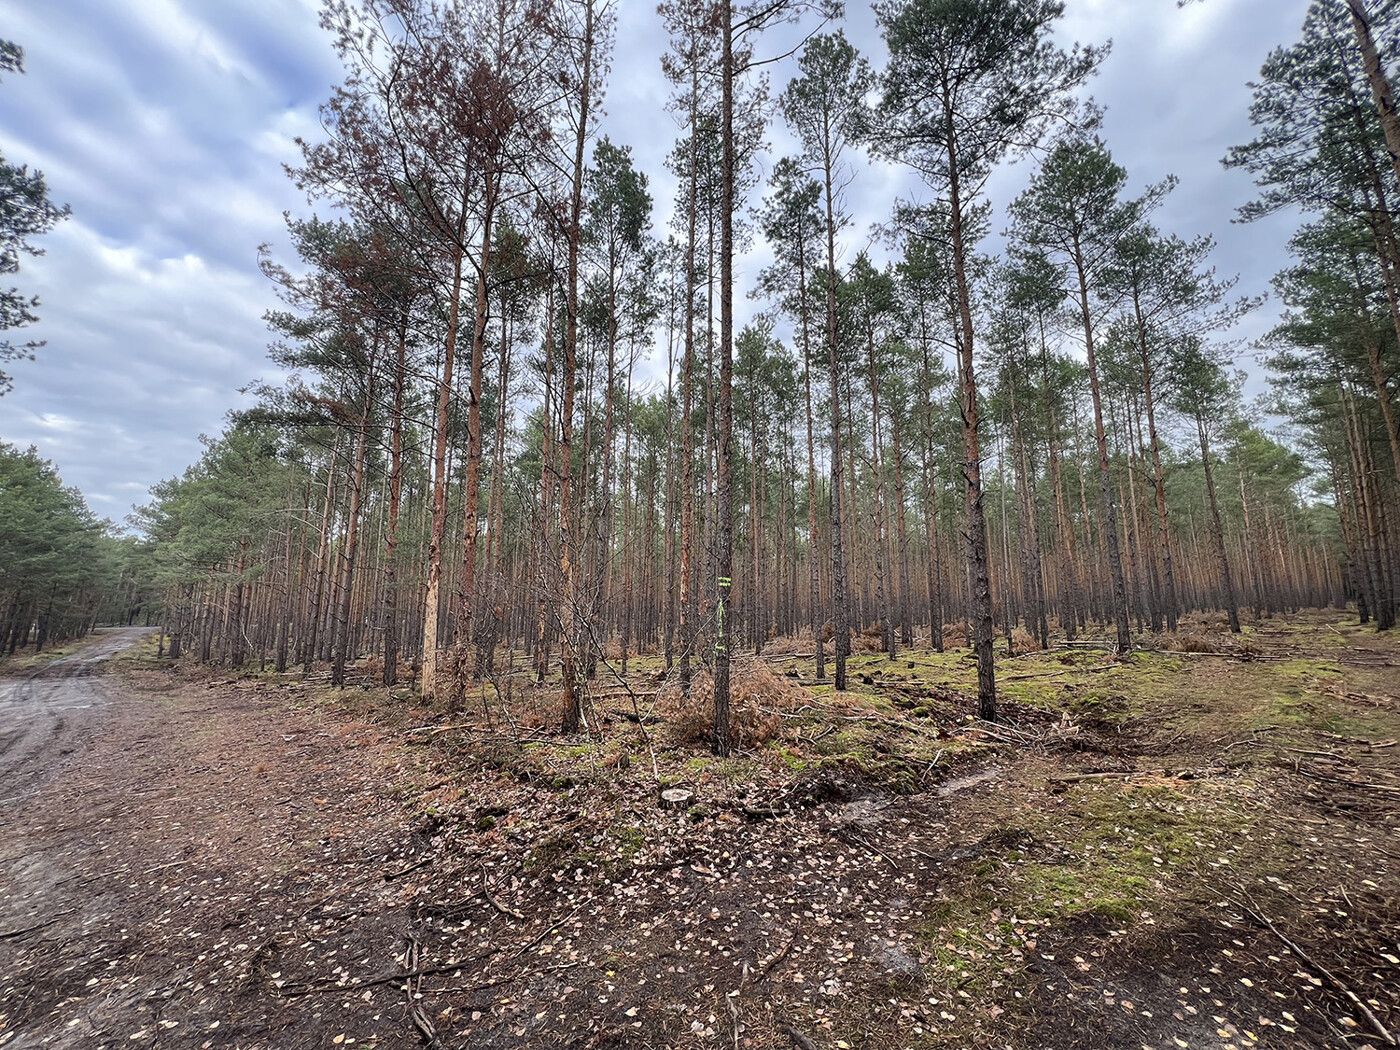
column 1177, row 849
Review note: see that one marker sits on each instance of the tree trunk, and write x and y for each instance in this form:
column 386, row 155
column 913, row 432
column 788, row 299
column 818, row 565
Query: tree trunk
column 438, row 528
column 980, row 608
column 1110, row 524
column 573, row 712
column 1217, row 531
column 724, row 539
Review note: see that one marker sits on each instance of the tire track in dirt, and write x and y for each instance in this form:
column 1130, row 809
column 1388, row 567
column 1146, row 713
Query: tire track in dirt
column 41, row 715
column 171, row 850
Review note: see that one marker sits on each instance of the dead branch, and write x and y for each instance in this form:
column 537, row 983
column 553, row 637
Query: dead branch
column 1179, row 774
column 798, row 1039
column 510, row 913
column 9, row 935
column 773, row 962
column 391, row 876
column 1336, row 981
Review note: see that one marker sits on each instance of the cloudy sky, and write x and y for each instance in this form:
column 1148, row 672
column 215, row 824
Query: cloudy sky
column 165, row 124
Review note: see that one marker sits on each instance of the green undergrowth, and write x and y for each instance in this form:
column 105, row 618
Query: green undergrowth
column 1101, row 862
column 145, row 653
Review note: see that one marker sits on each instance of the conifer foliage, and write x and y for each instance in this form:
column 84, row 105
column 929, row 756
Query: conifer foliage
column 25, row 211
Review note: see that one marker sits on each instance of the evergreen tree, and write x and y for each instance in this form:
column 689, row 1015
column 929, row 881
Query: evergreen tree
column 25, row 212
column 968, row 82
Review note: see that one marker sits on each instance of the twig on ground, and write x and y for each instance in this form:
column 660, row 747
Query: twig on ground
column 10, row 935
column 1179, row 774
column 861, row 840
column 1253, row 911
column 391, row 876
column 421, row 1021
column 773, row 962
column 544, row 933
column 491, row 900
column 798, row 1039
column 296, row 991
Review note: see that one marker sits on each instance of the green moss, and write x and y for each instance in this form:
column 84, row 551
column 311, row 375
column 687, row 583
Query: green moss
column 629, row 840
column 1305, row 669
column 845, row 743
column 794, row 760
column 1112, row 852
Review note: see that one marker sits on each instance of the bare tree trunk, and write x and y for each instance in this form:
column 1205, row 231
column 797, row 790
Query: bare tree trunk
column 882, row 583
column 547, row 466
column 573, row 713
column 814, row 594
column 980, row 609
column 438, row 528
column 340, row 650
column 391, row 538
column 839, row 600
column 724, row 539
column 1110, row 524
column 1217, row 530
column 471, row 484
column 314, row 615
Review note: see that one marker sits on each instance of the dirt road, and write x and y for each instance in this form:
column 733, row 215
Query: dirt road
column 44, row 717
column 153, row 867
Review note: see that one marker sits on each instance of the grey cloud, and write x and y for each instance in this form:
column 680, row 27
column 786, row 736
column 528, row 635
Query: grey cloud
column 165, row 124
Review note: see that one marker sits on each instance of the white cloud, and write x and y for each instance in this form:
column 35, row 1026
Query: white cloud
column 165, row 123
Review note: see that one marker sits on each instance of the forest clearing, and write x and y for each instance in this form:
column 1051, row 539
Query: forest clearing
column 1193, row 845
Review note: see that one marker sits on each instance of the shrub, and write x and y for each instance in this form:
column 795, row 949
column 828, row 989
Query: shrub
column 756, row 696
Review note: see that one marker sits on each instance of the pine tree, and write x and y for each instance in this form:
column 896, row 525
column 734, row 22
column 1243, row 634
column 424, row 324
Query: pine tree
column 25, row 212
column 968, row 82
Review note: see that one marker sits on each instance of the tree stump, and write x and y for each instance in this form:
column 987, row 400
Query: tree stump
column 676, row 798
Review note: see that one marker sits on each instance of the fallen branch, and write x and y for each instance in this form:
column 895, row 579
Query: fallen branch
column 391, row 876
column 411, row 986
column 294, row 992
column 433, row 731
column 1181, row 774
column 1037, row 674
column 1316, row 774
column 1078, row 778
column 773, row 962
column 491, row 900
column 798, row 1039
column 545, row 933
column 10, row 935
column 1337, row 982
column 861, row 840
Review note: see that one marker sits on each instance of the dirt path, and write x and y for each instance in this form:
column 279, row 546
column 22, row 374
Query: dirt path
column 159, row 849
column 44, row 715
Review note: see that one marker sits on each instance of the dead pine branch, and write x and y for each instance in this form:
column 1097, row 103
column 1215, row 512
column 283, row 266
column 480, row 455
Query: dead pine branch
column 392, row 875
column 9, row 935
column 426, row 1031
column 1258, row 916
column 773, row 963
